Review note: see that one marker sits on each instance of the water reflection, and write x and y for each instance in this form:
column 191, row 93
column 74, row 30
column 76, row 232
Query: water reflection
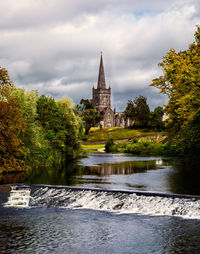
column 120, row 168
column 11, row 178
column 57, row 175
column 119, row 171
column 185, row 176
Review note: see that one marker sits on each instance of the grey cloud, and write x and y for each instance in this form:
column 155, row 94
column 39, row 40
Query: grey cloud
column 24, row 13
column 154, row 99
column 54, row 46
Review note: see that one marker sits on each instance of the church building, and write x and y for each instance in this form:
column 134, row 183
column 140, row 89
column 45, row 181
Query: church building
column 101, row 99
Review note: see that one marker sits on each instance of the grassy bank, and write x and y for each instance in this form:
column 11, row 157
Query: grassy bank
column 93, row 148
column 96, row 139
column 119, row 133
column 144, row 147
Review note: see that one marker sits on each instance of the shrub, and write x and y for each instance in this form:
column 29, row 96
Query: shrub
column 110, row 146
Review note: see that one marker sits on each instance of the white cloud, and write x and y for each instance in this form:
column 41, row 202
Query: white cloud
column 54, row 46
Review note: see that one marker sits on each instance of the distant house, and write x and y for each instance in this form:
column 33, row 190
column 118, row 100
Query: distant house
column 101, row 99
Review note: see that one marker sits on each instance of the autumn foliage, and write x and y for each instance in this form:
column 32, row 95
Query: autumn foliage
column 35, row 130
column 11, row 125
column 181, row 83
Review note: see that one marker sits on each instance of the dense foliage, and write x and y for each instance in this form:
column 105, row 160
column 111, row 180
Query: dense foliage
column 90, row 115
column 110, row 146
column 181, row 83
column 35, row 130
column 12, row 125
column 144, row 147
column 139, row 112
column 156, row 118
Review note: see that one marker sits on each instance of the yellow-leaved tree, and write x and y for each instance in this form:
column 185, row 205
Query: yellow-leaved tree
column 12, row 124
column 181, row 83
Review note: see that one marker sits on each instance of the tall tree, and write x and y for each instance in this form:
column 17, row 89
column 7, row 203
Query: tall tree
column 12, row 124
column 73, row 127
column 129, row 112
column 181, row 83
column 138, row 110
column 142, row 111
column 33, row 137
column 156, row 118
column 90, row 115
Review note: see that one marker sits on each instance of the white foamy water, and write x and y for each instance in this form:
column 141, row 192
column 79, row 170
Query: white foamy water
column 18, row 197
column 118, row 202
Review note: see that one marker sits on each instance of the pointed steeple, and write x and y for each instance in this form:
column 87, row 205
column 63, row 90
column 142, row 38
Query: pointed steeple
column 101, row 78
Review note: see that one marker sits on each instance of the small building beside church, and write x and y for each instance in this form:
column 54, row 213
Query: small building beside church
column 101, row 99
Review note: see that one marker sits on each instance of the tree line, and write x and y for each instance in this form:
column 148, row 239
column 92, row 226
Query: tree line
column 139, row 112
column 36, row 130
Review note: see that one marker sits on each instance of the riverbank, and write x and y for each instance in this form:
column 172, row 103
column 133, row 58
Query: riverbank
column 96, row 139
column 119, row 134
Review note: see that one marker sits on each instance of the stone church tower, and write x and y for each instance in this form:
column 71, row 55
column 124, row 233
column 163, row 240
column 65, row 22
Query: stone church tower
column 102, row 102
column 101, row 95
column 101, row 98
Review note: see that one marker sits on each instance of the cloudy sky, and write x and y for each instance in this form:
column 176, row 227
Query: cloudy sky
column 54, row 45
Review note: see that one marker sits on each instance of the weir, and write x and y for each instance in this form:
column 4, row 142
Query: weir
column 19, row 197
column 117, row 201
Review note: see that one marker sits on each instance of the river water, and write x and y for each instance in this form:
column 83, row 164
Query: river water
column 117, row 204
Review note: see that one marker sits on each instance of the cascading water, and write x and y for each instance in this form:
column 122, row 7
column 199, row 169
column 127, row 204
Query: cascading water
column 117, row 201
column 19, row 197
column 105, row 200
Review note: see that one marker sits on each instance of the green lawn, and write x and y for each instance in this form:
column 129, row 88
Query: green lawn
column 118, row 133
column 93, row 148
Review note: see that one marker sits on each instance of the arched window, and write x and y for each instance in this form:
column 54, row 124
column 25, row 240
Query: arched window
column 109, row 116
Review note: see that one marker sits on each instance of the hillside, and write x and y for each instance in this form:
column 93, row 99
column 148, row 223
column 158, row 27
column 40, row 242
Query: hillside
column 95, row 140
column 97, row 135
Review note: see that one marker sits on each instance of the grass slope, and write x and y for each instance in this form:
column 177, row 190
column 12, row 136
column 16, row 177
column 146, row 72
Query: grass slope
column 118, row 133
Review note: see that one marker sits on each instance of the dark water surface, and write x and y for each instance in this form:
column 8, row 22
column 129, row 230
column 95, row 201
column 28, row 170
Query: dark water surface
column 91, row 222
column 119, row 171
column 56, row 230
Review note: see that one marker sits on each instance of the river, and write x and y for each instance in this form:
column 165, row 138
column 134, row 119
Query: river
column 116, row 204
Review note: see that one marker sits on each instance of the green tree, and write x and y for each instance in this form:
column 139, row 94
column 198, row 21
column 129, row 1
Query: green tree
column 181, row 83
column 70, row 135
column 12, row 125
column 89, row 114
column 142, row 111
column 36, row 147
column 156, row 118
column 130, row 110
column 62, row 125
column 138, row 110
column 49, row 115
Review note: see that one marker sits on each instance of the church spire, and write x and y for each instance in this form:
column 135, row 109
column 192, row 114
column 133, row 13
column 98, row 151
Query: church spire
column 101, row 78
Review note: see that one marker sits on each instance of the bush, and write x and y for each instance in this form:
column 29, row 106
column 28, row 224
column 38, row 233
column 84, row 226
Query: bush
column 134, row 141
column 144, row 147
column 110, row 146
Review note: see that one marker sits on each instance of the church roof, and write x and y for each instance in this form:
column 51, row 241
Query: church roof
column 101, row 78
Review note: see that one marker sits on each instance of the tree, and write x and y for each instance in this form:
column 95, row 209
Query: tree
column 90, row 115
column 33, row 137
column 12, row 125
column 62, row 125
column 48, row 114
column 142, row 111
column 138, row 110
column 73, row 127
column 181, row 83
column 156, row 118
column 129, row 112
